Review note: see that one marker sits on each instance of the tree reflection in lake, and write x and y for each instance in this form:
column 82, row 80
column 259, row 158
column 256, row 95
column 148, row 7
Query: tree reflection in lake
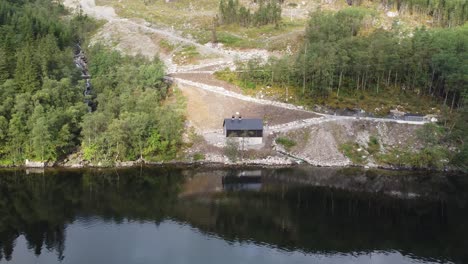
column 421, row 216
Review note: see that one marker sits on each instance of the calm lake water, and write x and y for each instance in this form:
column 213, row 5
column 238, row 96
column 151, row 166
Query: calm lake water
column 206, row 215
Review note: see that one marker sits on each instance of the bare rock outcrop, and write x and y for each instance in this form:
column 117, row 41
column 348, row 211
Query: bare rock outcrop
column 319, row 144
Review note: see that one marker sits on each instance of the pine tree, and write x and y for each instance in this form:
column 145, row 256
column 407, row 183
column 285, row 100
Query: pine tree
column 26, row 73
column 42, row 145
column 4, row 71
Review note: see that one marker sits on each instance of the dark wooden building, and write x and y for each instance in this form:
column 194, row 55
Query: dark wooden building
column 243, row 127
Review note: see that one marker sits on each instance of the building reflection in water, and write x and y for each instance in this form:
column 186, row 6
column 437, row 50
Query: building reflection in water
column 250, row 180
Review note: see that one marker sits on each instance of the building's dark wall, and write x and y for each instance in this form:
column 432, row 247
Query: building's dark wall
column 244, row 133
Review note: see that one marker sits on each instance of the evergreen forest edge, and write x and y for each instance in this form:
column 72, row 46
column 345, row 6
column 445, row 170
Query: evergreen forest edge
column 344, row 61
column 43, row 117
column 42, row 111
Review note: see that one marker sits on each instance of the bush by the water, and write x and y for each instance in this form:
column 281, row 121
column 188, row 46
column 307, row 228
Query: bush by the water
column 286, row 142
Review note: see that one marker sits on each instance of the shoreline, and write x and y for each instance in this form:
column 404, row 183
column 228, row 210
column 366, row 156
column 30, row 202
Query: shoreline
column 217, row 165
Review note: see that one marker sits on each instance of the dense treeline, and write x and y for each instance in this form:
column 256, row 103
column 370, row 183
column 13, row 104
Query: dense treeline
column 130, row 122
column 338, row 60
column 444, row 12
column 40, row 96
column 268, row 12
column 43, row 115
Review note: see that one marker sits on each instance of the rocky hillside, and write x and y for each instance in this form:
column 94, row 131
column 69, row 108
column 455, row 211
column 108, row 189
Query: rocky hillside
column 349, row 142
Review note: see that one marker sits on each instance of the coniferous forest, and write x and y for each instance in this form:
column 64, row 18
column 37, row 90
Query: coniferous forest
column 343, row 55
column 43, row 114
column 268, row 12
column 338, row 55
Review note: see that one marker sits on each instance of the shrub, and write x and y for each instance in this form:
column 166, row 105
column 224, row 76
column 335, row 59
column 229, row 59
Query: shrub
column 429, row 157
column 231, row 150
column 373, row 146
column 286, row 142
column 353, row 152
column 198, row 156
column 90, row 152
column 430, row 134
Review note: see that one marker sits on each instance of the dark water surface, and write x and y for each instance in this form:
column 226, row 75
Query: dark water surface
column 206, row 215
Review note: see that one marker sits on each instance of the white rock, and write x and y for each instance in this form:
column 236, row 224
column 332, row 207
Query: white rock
column 392, row 14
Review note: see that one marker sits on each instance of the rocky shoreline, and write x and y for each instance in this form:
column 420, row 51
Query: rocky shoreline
column 269, row 162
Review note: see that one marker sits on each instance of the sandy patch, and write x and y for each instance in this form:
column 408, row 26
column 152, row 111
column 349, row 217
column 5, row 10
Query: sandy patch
column 206, row 110
column 89, row 7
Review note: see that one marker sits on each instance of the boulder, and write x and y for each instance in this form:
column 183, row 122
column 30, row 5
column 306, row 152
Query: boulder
column 34, row 164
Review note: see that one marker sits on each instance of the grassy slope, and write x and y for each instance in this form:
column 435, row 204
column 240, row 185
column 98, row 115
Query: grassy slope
column 194, row 18
column 370, row 100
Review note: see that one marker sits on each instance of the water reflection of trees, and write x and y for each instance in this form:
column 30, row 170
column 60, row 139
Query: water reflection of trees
column 36, row 206
column 327, row 220
column 40, row 206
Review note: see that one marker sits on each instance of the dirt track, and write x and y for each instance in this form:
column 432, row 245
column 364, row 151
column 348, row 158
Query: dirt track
column 207, row 78
column 209, row 100
column 206, row 110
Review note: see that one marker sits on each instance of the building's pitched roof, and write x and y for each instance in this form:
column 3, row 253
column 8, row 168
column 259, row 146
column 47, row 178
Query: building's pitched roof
column 243, row 124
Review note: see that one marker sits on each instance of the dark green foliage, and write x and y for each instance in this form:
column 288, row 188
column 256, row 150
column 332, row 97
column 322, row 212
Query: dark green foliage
column 432, row 152
column 354, row 152
column 232, row 12
column 443, row 12
column 130, row 121
column 434, row 157
column 42, row 111
column 373, row 146
column 198, row 156
column 27, row 73
column 41, row 105
column 252, row 72
column 286, row 142
column 232, row 149
column 431, row 134
column 337, row 58
column 4, row 71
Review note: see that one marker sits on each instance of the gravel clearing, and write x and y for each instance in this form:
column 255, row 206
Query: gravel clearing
column 206, row 109
column 89, row 7
column 222, row 91
column 209, row 101
column 318, row 141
